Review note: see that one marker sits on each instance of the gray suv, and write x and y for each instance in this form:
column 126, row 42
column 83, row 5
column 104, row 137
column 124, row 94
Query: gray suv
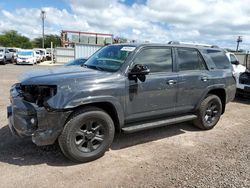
column 121, row 88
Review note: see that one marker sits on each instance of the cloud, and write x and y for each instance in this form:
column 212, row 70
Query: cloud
column 206, row 21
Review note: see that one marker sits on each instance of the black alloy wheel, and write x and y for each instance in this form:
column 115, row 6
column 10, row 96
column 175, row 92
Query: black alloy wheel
column 87, row 134
column 209, row 112
column 90, row 135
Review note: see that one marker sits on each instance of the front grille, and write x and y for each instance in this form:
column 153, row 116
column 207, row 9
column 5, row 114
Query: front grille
column 245, row 78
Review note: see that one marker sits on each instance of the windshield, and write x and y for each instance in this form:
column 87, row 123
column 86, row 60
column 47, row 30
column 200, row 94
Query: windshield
column 79, row 61
column 110, row 58
column 25, row 53
column 12, row 50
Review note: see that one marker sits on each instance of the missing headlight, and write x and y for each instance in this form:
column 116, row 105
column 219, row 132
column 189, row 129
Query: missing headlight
column 38, row 94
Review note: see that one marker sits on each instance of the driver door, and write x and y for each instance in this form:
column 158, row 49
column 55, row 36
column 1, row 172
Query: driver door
column 156, row 96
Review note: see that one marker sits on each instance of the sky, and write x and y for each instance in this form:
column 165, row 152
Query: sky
column 215, row 22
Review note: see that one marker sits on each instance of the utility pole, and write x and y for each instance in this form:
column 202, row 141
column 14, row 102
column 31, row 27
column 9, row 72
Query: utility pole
column 43, row 16
column 239, row 39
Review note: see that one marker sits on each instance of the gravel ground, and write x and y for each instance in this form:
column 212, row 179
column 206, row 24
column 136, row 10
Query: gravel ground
column 173, row 156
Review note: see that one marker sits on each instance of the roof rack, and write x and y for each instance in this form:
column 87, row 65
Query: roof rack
column 193, row 44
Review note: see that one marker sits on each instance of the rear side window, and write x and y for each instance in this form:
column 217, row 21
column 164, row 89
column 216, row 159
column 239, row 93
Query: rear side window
column 190, row 59
column 157, row 59
column 219, row 58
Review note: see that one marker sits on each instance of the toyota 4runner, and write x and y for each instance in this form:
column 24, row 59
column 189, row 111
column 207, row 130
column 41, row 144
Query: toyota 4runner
column 121, row 88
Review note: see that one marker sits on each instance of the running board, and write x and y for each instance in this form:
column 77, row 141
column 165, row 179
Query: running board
column 155, row 124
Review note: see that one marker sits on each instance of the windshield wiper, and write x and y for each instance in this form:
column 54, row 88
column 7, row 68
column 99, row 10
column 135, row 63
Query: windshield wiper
column 93, row 67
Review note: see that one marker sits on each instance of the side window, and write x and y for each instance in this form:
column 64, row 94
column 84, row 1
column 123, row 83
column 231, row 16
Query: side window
column 157, row 59
column 219, row 58
column 190, row 59
column 232, row 58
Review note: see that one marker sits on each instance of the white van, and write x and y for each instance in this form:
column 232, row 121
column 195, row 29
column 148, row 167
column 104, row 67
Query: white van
column 26, row 57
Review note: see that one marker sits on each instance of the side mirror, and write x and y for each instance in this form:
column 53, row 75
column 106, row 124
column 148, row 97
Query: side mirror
column 235, row 62
column 139, row 72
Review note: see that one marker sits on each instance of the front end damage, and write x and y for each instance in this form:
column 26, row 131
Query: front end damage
column 30, row 115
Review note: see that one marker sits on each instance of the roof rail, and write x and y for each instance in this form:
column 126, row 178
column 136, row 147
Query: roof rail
column 193, row 44
column 173, row 42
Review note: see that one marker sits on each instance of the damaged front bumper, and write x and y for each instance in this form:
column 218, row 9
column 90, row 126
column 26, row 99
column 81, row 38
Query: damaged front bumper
column 28, row 119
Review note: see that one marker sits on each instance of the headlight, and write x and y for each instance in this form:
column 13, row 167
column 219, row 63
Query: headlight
column 38, row 94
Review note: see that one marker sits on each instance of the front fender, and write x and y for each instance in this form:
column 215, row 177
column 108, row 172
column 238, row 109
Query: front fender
column 54, row 104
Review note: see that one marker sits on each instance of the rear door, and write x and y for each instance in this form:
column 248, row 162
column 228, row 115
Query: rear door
column 193, row 78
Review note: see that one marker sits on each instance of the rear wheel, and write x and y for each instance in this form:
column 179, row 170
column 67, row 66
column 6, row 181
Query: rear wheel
column 87, row 135
column 209, row 112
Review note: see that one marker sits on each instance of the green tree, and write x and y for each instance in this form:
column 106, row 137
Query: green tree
column 37, row 42
column 14, row 39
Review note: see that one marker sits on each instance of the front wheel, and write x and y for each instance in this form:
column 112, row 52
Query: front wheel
column 209, row 112
column 87, row 135
column 4, row 61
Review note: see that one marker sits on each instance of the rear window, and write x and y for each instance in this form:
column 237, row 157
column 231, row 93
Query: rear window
column 219, row 58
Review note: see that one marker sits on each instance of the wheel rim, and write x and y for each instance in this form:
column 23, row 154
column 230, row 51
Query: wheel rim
column 211, row 112
column 89, row 136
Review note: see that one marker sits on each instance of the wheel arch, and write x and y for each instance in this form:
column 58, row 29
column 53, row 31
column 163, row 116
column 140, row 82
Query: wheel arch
column 109, row 108
column 220, row 92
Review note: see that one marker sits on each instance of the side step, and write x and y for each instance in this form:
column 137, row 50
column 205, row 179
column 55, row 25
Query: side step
column 159, row 123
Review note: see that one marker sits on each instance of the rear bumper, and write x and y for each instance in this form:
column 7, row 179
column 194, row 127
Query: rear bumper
column 28, row 120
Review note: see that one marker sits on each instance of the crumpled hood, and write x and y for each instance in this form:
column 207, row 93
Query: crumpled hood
column 56, row 76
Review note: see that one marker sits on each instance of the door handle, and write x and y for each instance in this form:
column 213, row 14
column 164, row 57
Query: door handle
column 171, row 82
column 204, row 78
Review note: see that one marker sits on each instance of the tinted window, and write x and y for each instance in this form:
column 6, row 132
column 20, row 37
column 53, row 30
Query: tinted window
column 110, row 58
column 219, row 58
column 157, row 59
column 190, row 59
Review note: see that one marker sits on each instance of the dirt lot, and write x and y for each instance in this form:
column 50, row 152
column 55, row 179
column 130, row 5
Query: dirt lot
column 172, row 156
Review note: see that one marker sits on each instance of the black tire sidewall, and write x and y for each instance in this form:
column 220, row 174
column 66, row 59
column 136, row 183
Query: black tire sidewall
column 69, row 148
column 216, row 100
column 200, row 122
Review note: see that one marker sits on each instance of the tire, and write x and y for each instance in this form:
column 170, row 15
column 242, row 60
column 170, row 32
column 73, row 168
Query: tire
column 209, row 112
column 87, row 135
column 12, row 60
column 4, row 61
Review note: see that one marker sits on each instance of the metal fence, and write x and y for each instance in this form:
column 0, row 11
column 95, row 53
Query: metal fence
column 63, row 55
column 243, row 58
column 85, row 50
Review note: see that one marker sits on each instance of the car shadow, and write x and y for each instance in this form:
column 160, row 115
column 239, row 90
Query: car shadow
column 22, row 152
column 243, row 100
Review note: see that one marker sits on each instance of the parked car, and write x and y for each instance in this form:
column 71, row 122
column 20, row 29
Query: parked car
column 14, row 52
column 6, row 55
column 26, row 57
column 76, row 62
column 42, row 52
column 122, row 87
column 38, row 56
column 242, row 75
